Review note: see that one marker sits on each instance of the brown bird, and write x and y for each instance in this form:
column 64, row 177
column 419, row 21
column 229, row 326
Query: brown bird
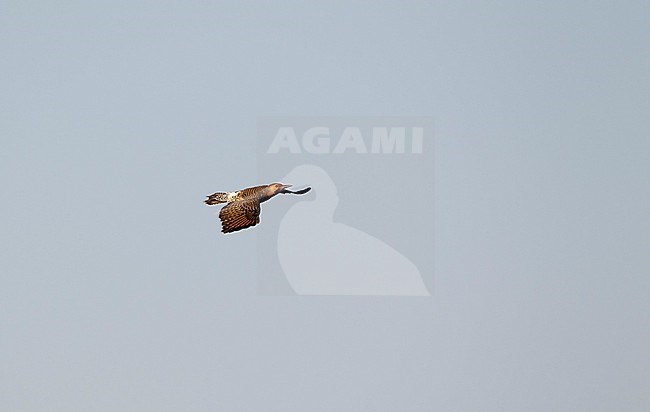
column 243, row 207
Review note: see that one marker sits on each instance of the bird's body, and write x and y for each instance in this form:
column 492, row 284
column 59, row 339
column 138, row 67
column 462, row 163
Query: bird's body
column 242, row 209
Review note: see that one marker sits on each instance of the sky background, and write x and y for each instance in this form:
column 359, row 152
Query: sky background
column 118, row 293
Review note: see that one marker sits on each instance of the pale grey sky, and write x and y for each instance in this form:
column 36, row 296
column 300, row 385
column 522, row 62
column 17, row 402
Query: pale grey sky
column 118, row 293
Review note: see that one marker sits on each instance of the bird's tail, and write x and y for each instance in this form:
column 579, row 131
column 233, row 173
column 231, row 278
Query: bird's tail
column 216, row 198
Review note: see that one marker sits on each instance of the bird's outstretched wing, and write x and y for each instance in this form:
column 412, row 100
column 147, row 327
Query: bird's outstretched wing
column 239, row 215
column 297, row 192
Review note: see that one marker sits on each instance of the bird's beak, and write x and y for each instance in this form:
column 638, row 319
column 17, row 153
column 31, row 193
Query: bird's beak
column 286, row 186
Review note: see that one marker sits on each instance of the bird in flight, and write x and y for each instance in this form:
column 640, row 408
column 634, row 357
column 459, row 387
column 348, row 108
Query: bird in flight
column 242, row 207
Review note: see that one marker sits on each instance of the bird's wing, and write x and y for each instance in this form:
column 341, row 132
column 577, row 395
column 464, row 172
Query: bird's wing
column 239, row 215
column 297, row 192
column 250, row 192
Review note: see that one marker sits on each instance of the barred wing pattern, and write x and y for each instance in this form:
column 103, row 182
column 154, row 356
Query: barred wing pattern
column 250, row 192
column 239, row 215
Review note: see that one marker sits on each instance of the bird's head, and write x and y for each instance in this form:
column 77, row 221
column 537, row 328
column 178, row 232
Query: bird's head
column 278, row 187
